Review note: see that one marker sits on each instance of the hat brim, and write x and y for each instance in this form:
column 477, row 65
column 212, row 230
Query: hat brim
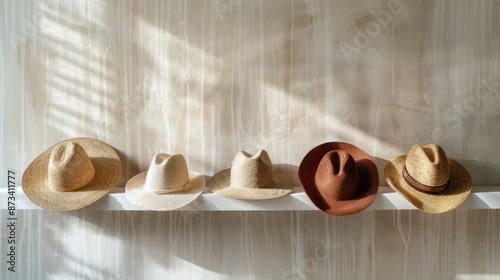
column 163, row 202
column 107, row 165
column 367, row 171
column 220, row 184
column 450, row 198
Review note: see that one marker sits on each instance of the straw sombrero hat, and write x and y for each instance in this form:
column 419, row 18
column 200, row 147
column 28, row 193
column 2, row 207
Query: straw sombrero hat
column 339, row 178
column 430, row 180
column 251, row 177
column 72, row 174
column 167, row 185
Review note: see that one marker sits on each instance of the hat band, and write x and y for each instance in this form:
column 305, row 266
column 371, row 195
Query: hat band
column 170, row 190
column 421, row 187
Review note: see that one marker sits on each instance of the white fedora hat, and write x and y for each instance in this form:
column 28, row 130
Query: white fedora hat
column 167, row 185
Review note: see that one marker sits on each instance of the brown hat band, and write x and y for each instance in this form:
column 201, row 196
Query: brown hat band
column 421, row 187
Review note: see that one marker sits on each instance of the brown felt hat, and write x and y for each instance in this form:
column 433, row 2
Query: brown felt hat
column 72, row 174
column 339, row 178
column 430, row 180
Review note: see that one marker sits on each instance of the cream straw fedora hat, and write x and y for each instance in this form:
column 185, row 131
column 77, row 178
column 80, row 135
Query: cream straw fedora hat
column 72, row 174
column 167, row 185
column 251, row 177
column 430, row 180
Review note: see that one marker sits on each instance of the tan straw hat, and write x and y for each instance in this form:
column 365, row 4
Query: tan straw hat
column 339, row 178
column 167, row 185
column 72, row 174
column 251, row 177
column 430, row 180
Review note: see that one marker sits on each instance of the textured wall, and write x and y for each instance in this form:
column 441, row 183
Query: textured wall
column 210, row 78
column 257, row 245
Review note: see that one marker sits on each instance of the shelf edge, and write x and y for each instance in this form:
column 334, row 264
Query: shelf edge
column 482, row 197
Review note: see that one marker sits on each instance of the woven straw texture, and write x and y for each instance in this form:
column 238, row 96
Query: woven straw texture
column 251, row 178
column 107, row 166
column 167, row 185
column 166, row 174
column 163, row 202
column 330, row 197
column 450, row 198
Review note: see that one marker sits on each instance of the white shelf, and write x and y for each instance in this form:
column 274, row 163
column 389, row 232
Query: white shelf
column 482, row 197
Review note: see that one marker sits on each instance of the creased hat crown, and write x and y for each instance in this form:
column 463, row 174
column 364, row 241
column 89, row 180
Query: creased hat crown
column 337, row 176
column 167, row 173
column 249, row 171
column 70, row 168
column 428, row 165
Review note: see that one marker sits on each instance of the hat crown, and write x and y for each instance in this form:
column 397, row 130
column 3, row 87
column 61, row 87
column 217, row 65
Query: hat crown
column 428, row 165
column 249, row 171
column 70, row 168
column 167, row 173
column 337, row 176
